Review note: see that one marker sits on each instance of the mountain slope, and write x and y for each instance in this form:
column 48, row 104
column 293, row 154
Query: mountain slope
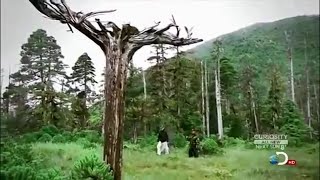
column 265, row 43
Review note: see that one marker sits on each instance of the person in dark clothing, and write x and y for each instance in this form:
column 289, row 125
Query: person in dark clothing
column 163, row 140
column 194, row 146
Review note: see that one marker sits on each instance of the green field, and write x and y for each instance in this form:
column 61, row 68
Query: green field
column 236, row 163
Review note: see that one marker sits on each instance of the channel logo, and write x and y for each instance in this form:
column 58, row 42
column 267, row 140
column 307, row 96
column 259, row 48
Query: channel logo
column 274, row 159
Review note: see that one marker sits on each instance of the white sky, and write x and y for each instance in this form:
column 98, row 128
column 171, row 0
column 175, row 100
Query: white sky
column 209, row 18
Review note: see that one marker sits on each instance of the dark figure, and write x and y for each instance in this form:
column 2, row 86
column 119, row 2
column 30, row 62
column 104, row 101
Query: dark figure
column 163, row 135
column 163, row 139
column 194, row 144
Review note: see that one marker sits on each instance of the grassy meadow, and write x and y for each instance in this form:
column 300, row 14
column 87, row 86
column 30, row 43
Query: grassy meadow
column 236, row 163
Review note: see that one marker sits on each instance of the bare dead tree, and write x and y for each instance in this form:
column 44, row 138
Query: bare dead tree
column 119, row 45
column 291, row 76
column 218, row 50
column 308, row 87
column 202, row 101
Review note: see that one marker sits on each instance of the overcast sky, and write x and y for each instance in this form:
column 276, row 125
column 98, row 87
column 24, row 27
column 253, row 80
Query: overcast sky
column 210, row 18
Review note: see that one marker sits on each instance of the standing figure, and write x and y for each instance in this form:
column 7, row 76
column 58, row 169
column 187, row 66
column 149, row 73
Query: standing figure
column 163, row 140
column 194, row 146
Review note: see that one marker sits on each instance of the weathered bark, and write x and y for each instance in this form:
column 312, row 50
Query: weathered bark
column 202, row 101
column 308, row 87
column 145, row 100
column 225, row 104
column 207, row 97
column 178, row 100
column 253, row 107
column 144, row 85
column 135, row 132
column 118, row 45
column 218, row 91
column 218, row 103
column 316, row 102
column 217, row 52
column 291, row 76
column 116, row 66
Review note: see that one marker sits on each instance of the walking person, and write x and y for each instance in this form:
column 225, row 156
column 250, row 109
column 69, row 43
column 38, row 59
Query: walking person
column 163, row 140
column 194, row 146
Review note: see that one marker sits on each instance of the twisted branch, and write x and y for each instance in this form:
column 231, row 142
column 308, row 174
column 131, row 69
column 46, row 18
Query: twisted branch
column 91, row 14
column 130, row 36
column 160, row 36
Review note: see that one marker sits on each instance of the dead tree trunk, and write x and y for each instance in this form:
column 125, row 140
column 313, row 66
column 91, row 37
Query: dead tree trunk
column 253, row 106
column 291, row 76
column 207, row 97
column 217, row 53
column 218, row 102
column 119, row 46
column 316, row 102
column 308, row 87
column 145, row 100
column 218, row 92
column 144, row 85
column 202, row 101
column 135, row 132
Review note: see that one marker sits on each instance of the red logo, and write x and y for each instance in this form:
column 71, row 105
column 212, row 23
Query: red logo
column 291, row 163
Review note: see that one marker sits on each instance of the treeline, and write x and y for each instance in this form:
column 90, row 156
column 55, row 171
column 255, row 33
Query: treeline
column 179, row 92
column 42, row 93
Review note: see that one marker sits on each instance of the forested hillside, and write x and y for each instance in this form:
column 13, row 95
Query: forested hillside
column 227, row 89
column 263, row 47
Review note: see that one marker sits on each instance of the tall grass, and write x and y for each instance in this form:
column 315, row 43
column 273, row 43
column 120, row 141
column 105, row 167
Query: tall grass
column 236, row 163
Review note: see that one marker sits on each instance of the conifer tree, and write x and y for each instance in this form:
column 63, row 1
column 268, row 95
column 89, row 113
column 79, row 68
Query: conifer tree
column 41, row 67
column 83, row 74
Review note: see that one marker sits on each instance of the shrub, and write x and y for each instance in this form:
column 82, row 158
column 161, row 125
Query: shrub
column 236, row 126
column 13, row 154
column 209, row 146
column 148, row 141
column 17, row 161
column 91, row 167
column 90, row 145
column 250, row 145
column 93, row 136
column 180, row 141
column 85, row 143
column 30, row 137
column 68, row 136
column 52, row 174
column 45, row 138
column 51, row 130
column 23, row 151
column 90, row 135
column 231, row 142
column 293, row 125
column 59, row 139
column 131, row 147
column 19, row 172
column 214, row 137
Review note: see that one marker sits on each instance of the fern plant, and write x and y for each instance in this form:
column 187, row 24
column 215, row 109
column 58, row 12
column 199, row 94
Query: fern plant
column 91, row 168
column 19, row 173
